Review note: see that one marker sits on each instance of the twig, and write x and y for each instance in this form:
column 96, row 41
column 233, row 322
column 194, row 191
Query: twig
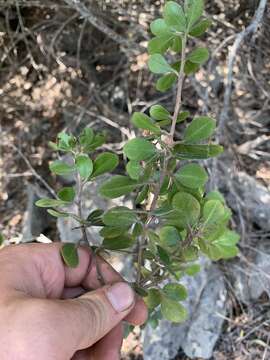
column 86, row 13
column 239, row 39
column 181, row 77
column 33, row 171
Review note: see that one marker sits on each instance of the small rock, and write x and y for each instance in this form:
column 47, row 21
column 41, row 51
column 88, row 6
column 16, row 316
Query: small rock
column 197, row 336
column 36, row 219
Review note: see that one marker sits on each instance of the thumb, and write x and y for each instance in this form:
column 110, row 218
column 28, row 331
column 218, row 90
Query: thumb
column 90, row 317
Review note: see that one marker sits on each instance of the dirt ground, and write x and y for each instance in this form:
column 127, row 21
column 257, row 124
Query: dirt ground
column 58, row 70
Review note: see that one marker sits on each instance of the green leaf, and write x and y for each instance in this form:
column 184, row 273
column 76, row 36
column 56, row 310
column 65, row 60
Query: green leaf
column 105, row 162
column 175, row 292
column 139, row 290
column 134, row 169
column 95, row 218
column 120, row 215
column 199, row 56
column 174, row 16
column 112, row 231
column 153, row 298
column 84, row 165
column 86, row 138
column 196, row 152
column 187, row 207
column 177, row 44
column 193, row 270
column 213, row 211
column 190, row 253
column 99, row 140
column 117, row 243
column 215, row 195
column 65, row 142
column 158, row 64
column 225, row 246
column 47, row 203
column 1, row 239
column 158, row 27
column 58, row 214
column 159, row 44
column 166, row 82
column 142, row 195
column 169, row 236
column 59, row 167
column 193, row 10
column 66, row 194
column 192, row 176
column 201, row 128
column 163, row 255
column 158, row 112
column 191, row 68
column 117, row 186
column 200, row 28
column 182, row 116
column 69, row 254
column 139, row 149
column 144, row 122
column 173, row 311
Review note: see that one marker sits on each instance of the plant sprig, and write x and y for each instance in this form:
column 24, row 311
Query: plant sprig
column 173, row 219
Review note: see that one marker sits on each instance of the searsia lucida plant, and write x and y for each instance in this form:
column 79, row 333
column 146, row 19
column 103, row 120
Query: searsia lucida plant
column 173, row 219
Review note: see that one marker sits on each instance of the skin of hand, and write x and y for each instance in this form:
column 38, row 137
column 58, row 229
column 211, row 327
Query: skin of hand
column 49, row 311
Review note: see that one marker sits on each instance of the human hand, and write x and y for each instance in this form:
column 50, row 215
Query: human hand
column 48, row 313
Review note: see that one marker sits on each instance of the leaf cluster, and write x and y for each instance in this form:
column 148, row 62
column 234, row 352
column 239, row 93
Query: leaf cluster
column 173, row 219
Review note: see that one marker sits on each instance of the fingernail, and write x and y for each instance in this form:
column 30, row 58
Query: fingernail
column 121, row 296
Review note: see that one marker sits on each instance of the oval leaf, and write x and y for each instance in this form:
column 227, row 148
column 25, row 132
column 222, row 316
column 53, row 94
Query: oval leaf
column 139, row 149
column 173, row 311
column 120, row 215
column 166, row 82
column 117, row 186
column 144, row 122
column 134, row 169
column 174, row 16
column 187, row 207
column 118, row 243
column 105, row 162
column 175, row 292
column 200, row 128
column 84, row 165
column 59, row 167
column 66, row 194
column 158, row 64
column 47, row 203
column 199, row 29
column 197, row 152
column 169, row 236
column 213, row 211
column 199, row 56
column 158, row 112
column 69, row 254
column 192, row 176
column 193, row 10
column 158, row 27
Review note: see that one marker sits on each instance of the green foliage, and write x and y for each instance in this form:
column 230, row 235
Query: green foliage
column 139, row 149
column 144, row 122
column 104, row 162
column 84, row 165
column 201, row 128
column 158, row 65
column 192, row 176
column 59, row 167
column 69, row 254
column 1, row 239
column 173, row 220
